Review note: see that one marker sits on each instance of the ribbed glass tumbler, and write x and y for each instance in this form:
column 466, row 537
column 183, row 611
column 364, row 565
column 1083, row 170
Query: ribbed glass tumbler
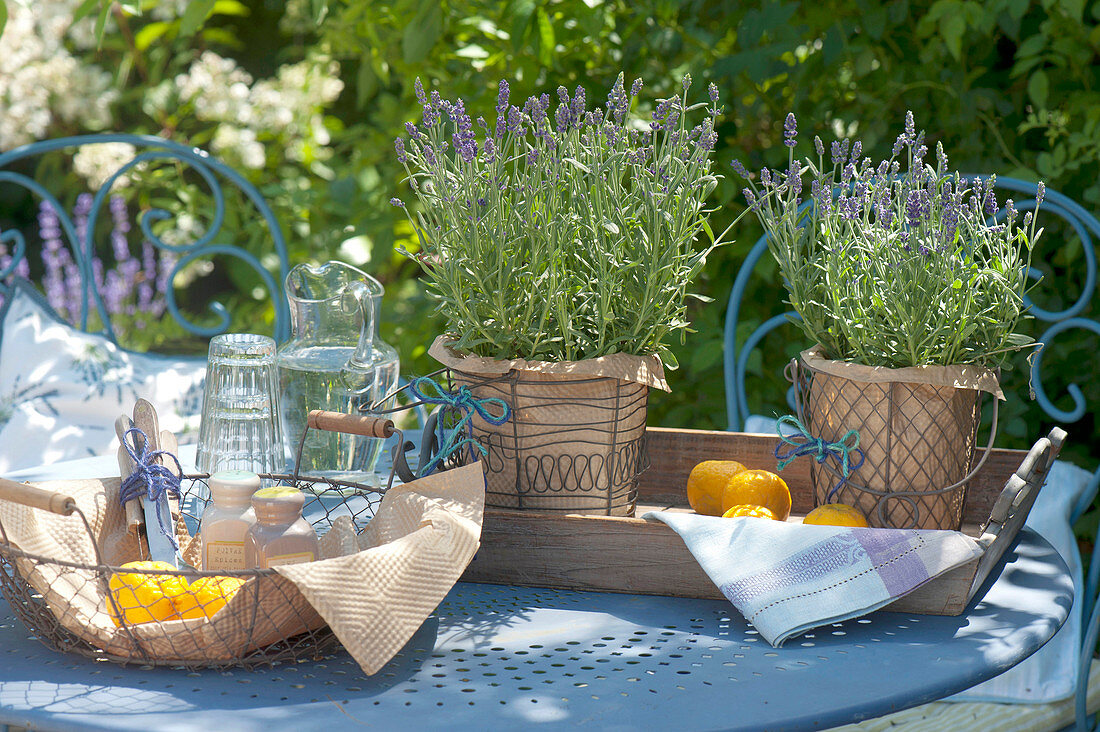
column 240, row 428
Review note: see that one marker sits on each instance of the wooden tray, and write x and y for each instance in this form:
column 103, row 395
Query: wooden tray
column 620, row 554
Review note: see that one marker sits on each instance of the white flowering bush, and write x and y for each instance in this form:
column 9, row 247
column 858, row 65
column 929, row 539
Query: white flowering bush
column 43, row 85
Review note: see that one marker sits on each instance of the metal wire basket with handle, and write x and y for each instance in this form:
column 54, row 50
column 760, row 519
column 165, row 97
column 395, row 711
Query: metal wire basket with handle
column 63, row 544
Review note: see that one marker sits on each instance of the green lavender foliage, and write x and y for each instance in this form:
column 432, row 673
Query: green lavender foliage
column 897, row 267
column 562, row 238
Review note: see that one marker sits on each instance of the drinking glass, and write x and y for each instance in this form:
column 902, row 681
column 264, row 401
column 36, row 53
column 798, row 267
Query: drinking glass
column 240, row 427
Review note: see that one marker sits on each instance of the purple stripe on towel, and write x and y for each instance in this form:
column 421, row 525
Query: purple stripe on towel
column 894, row 555
column 819, row 560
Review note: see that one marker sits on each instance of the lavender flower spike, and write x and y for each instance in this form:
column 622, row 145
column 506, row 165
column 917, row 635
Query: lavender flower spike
column 790, row 130
column 739, row 168
column 397, row 202
column 686, row 82
column 712, row 90
column 1040, row 193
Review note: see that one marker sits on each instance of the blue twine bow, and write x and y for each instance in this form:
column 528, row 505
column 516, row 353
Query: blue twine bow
column 460, row 400
column 150, row 478
column 802, row 443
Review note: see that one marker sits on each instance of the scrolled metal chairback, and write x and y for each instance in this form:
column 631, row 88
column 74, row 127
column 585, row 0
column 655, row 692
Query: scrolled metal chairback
column 81, row 240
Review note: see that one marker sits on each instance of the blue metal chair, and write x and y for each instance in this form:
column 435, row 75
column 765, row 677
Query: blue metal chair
column 1086, row 226
column 150, row 151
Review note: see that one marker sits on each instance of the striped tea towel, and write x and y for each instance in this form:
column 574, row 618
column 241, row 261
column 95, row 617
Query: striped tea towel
column 788, row 578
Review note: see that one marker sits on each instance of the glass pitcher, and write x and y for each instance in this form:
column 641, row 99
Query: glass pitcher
column 335, row 361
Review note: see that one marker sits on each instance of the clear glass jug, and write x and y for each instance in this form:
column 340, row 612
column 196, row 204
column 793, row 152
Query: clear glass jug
column 335, row 361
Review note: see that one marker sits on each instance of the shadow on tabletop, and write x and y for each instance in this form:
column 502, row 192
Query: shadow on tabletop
column 67, row 684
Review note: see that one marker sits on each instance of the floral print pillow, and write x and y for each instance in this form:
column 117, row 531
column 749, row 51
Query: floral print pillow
column 61, row 389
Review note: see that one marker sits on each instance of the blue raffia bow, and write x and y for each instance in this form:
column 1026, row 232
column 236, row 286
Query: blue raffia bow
column 460, row 400
column 150, row 478
column 802, row 443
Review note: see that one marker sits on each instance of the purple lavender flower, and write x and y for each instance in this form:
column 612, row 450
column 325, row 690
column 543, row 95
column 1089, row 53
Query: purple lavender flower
column 766, row 177
column 910, row 126
column 914, row 208
column 739, row 168
column 421, row 97
column 749, row 196
column 794, row 181
column 712, row 90
column 465, row 141
column 790, row 130
column 577, row 109
column 686, row 82
column 399, row 146
column 532, row 156
column 617, row 100
column 1010, row 206
column 1040, row 193
column 432, row 109
column 898, row 145
column 819, row 146
column 941, row 157
column 857, row 152
column 636, row 88
column 397, row 202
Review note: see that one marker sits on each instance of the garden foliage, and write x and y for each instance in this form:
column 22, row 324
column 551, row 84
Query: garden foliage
column 307, row 96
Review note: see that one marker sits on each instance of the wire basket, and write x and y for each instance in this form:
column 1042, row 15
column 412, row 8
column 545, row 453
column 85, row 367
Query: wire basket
column 257, row 617
column 919, row 443
column 569, row 445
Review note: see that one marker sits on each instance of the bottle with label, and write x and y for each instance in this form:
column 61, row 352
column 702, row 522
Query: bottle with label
column 280, row 534
column 227, row 519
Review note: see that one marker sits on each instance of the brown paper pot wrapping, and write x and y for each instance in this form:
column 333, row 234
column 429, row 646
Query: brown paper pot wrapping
column 576, row 439
column 372, row 590
column 917, row 429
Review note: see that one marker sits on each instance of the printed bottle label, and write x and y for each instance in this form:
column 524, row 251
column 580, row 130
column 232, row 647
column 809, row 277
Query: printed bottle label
column 284, row 559
column 224, row 555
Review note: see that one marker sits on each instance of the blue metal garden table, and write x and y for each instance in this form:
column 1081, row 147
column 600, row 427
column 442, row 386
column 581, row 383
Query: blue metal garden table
column 499, row 657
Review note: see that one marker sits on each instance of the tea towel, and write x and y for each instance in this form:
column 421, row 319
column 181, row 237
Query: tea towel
column 788, row 578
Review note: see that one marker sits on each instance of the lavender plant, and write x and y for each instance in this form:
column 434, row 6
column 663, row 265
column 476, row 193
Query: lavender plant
column 903, row 263
column 564, row 236
column 129, row 288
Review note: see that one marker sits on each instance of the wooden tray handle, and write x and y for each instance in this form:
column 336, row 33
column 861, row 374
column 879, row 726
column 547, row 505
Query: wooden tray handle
column 351, row 424
column 28, row 495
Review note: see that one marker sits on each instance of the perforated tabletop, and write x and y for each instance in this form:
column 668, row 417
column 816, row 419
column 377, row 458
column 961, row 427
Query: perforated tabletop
column 499, row 657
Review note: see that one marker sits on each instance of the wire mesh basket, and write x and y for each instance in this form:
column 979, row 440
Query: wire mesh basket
column 91, row 605
column 568, row 445
column 919, row 444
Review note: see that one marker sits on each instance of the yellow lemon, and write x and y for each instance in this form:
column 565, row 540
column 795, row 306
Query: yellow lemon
column 207, row 595
column 836, row 514
column 758, row 488
column 753, row 511
column 707, row 481
column 143, row 598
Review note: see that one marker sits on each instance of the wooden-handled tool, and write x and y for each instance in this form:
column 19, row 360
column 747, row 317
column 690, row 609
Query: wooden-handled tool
column 135, row 519
column 157, row 513
column 28, row 495
column 352, row 424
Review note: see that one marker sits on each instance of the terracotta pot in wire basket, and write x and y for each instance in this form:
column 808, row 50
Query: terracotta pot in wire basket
column 918, row 431
column 63, row 544
column 575, row 440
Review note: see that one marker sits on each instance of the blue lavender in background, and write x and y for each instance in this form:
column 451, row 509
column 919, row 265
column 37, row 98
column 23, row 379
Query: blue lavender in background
column 128, row 289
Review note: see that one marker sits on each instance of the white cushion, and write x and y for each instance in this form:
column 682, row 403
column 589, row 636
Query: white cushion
column 61, row 389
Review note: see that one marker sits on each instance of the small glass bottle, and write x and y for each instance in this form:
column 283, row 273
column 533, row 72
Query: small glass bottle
column 227, row 518
column 280, row 534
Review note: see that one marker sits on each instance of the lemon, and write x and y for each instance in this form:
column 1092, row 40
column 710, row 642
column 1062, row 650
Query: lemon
column 758, row 488
column 707, row 481
column 751, row 511
column 836, row 514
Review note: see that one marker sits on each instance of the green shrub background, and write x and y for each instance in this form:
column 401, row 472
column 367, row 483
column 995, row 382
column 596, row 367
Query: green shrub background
column 1008, row 86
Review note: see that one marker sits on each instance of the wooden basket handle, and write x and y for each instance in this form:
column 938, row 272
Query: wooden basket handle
column 352, row 424
column 28, row 495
